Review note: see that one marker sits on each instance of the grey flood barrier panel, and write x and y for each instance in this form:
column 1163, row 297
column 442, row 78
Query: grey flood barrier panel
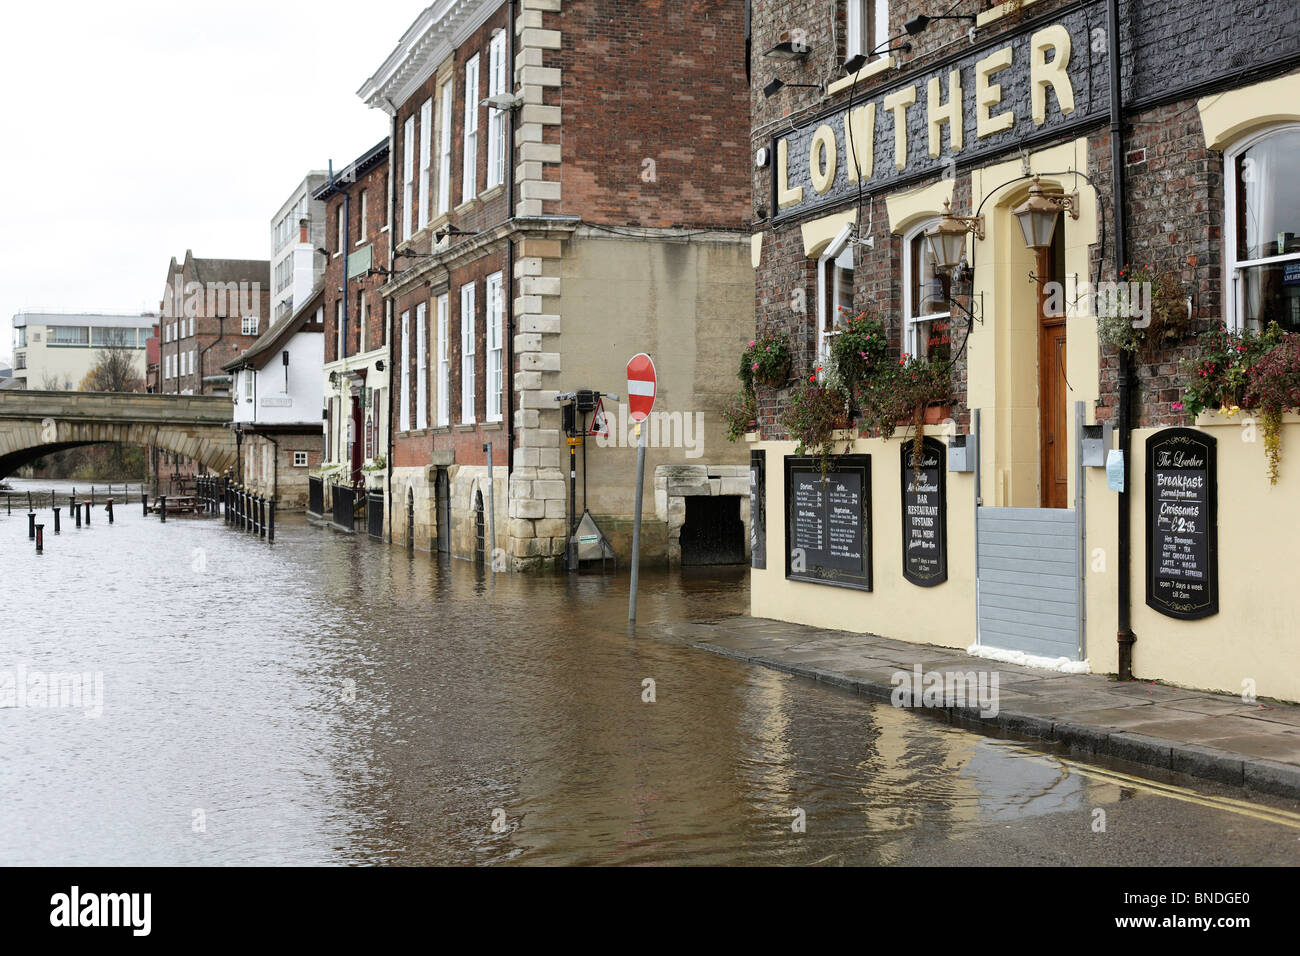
column 1028, row 580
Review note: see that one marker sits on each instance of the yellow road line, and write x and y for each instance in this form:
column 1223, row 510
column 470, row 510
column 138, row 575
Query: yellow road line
column 1282, row 817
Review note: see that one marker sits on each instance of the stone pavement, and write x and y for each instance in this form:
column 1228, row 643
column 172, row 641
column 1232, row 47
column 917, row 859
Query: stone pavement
column 1215, row 736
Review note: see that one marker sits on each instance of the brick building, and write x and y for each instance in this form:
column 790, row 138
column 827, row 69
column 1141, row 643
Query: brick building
column 212, row 309
column 568, row 190
column 356, row 327
column 1014, row 538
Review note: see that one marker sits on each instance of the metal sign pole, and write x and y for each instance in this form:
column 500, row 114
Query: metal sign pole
column 636, row 522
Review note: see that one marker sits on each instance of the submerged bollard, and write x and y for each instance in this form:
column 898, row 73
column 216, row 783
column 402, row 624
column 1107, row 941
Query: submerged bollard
column 31, row 524
column 56, row 520
column 261, row 516
column 270, row 528
column 9, row 505
column 78, row 511
column 40, row 538
column 162, row 507
column 109, row 507
column 86, row 505
column 144, row 503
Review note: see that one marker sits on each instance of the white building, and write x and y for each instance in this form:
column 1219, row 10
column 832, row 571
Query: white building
column 277, row 391
column 57, row 350
column 297, row 231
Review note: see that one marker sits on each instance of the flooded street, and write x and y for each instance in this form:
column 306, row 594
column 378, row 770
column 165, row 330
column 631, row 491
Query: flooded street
column 327, row 699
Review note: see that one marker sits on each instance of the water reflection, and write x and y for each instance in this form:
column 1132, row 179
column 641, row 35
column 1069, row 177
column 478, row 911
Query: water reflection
column 326, row 699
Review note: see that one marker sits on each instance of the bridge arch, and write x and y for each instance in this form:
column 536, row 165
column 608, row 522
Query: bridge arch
column 34, row 424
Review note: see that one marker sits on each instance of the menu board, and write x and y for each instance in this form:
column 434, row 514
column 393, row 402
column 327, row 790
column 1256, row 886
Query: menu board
column 828, row 524
column 757, row 509
column 1182, row 523
column 925, row 513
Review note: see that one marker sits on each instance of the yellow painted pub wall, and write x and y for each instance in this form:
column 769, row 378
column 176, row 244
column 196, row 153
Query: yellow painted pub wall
column 1255, row 636
column 896, row 608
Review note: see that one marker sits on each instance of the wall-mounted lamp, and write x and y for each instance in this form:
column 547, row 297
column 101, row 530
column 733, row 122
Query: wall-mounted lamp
column 919, row 22
column 505, row 102
column 379, row 365
column 1038, row 214
column 789, row 50
column 947, row 238
column 440, row 235
column 775, row 85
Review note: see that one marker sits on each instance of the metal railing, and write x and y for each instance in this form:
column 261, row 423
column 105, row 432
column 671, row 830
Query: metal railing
column 345, row 506
column 316, row 497
column 375, row 514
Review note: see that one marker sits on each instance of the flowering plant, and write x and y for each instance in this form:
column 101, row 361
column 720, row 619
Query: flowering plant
column 766, row 360
column 812, row 415
column 1273, row 386
column 740, row 414
column 1165, row 306
column 901, row 391
column 859, row 349
column 1217, row 375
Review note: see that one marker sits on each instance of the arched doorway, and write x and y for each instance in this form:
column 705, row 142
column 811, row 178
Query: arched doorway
column 479, row 534
column 410, row 519
column 442, row 499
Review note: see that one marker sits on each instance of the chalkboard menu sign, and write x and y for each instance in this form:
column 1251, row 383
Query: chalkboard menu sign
column 925, row 513
column 757, row 509
column 828, row 521
column 1182, row 524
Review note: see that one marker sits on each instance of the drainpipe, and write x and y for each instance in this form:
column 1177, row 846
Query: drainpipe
column 1124, row 632
column 221, row 331
column 509, row 361
column 388, row 320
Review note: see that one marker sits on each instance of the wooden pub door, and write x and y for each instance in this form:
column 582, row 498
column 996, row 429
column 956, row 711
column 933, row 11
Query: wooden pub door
column 1053, row 388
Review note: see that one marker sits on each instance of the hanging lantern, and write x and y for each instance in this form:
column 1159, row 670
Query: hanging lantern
column 947, row 237
column 1038, row 214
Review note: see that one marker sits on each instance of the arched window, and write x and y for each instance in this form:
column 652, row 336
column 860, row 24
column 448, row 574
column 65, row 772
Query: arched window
column 1262, row 230
column 834, row 290
column 926, row 318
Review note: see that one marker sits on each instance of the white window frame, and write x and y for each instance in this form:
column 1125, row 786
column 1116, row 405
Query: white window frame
column 495, row 302
column 408, row 173
column 300, row 459
column 858, row 16
column 341, row 237
column 838, row 246
column 191, row 325
column 247, row 322
column 444, row 151
column 911, row 310
column 1234, row 289
column 361, row 218
column 404, row 413
column 444, row 363
column 496, row 162
column 426, row 159
column 469, row 165
column 421, row 366
column 467, row 324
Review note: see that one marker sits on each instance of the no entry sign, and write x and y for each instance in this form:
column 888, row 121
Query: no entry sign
column 640, row 386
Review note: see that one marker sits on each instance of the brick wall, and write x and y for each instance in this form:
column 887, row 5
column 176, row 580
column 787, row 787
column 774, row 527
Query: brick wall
column 374, row 182
column 655, row 120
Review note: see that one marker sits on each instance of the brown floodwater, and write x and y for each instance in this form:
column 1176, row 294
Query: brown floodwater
column 328, row 699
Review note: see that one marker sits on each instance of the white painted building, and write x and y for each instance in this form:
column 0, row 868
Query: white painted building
column 277, row 390
column 297, row 231
column 56, row 350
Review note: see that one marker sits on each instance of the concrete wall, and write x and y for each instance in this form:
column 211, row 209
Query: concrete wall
column 686, row 302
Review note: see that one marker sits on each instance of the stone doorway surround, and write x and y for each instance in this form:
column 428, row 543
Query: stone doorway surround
column 674, row 483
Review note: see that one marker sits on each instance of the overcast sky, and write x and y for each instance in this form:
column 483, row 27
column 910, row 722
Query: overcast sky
column 131, row 131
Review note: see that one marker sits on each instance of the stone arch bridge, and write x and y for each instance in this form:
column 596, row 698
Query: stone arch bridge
column 34, row 424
